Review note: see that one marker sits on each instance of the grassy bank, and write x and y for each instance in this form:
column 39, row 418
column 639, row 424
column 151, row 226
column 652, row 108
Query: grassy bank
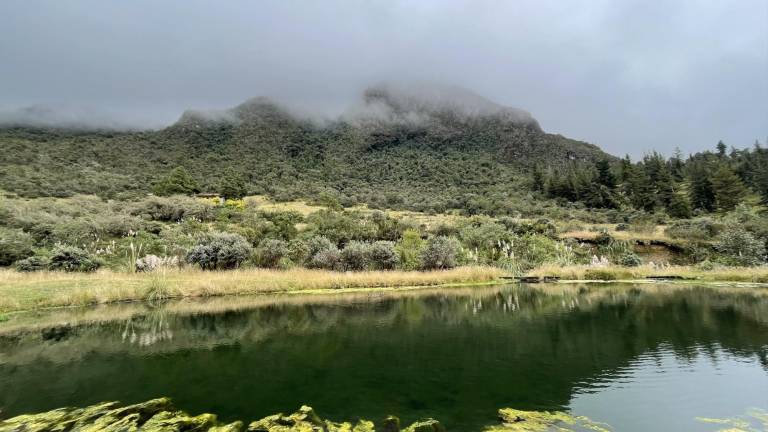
column 722, row 274
column 22, row 291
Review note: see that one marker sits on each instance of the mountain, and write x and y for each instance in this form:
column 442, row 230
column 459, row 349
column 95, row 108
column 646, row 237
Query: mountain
column 425, row 147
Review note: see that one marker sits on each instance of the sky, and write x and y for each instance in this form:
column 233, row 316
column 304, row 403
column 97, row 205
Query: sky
column 630, row 76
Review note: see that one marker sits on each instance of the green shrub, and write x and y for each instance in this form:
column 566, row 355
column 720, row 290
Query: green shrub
column 603, row 239
column 440, row 253
column 177, row 182
column 328, row 259
column 174, row 208
column 382, row 255
column 622, row 227
column 694, row 229
column 32, row 264
column 72, row 259
column 355, row 255
column 630, row 259
column 298, row 251
column 738, row 247
column 220, row 251
column 15, row 245
column 409, row 250
column 270, row 252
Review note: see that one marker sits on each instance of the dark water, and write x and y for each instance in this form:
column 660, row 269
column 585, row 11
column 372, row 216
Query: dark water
column 638, row 359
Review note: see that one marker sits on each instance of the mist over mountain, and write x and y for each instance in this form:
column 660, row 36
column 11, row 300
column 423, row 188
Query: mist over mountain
column 404, row 146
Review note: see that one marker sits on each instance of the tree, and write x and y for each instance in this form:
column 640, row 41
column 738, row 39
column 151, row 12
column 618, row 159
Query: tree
column 679, row 206
column 701, row 193
column 409, row 249
column 537, row 179
column 605, row 176
column 728, row 189
column 233, row 185
column 178, row 181
column 721, row 148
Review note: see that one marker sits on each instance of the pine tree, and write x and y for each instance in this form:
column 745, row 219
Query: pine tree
column 721, row 148
column 605, row 176
column 701, row 194
column 178, row 181
column 537, row 179
column 728, row 188
column 679, row 207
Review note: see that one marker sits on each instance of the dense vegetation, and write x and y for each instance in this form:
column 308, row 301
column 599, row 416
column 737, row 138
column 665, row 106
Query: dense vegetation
column 79, row 200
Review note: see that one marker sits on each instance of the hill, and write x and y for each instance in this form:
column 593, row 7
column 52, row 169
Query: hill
column 431, row 148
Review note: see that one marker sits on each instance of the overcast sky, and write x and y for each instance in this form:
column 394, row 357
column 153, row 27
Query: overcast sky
column 627, row 75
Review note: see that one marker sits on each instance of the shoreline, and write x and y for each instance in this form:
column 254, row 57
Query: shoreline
column 24, row 292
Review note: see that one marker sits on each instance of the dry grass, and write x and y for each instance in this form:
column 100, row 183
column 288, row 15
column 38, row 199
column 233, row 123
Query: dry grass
column 723, row 274
column 22, row 291
column 657, row 234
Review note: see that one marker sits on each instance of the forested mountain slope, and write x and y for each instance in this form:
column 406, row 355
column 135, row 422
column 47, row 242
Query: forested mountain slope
column 425, row 150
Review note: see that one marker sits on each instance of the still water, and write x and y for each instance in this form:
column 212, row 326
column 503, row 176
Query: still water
column 637, row 358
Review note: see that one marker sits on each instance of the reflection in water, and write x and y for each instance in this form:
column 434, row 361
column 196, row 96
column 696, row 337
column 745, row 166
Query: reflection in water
column 633, row 357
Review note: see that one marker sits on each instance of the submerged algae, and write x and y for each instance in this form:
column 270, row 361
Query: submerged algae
column 543, row 421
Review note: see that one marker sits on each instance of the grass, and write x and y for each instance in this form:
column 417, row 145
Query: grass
column 656, row 234
column 24, row 291
column 722, row 274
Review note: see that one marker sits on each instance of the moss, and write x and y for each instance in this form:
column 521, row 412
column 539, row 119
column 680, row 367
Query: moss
column 534, row 421
column 159, row 415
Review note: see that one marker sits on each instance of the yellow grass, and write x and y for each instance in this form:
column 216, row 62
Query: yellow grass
column 657, row 234
column 22, row 291
column 723, row 274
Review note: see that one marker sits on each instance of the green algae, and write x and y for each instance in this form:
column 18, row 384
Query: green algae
column 534, row 421
column 754, row 420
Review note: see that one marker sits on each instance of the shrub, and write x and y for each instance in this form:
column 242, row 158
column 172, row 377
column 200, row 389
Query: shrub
column 622, row 227
column 72, row 259
column 694, row 229
column 738, row 247
column 440, row 253
column 298, row 251
column 630, row 259
column 220, row 251
column 14, row 245
column 32, row 264
column 603, row 239
column 328, row 259
column 178, row 181
column 174, row 208
column 270, row 252
column 355, row 255
column 318, row 244
column 150, row 263
column 382, row 255
column 409, row 250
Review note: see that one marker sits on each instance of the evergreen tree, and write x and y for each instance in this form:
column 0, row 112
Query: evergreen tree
column 701, row 193
column 721, row 148
column 728, row 188
column 679, row 207
column 232, row 185
column 605, row 176
column 640, row 191
column 178, row 181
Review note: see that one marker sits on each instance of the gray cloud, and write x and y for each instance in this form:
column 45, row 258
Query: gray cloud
column 630, row 76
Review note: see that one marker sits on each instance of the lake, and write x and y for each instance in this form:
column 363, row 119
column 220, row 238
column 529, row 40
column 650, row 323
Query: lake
column 639, row 358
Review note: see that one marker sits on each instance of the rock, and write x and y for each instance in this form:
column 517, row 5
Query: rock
column 390, row 424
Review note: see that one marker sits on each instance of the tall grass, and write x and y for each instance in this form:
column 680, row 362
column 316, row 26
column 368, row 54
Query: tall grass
column 721, row 274
column 20, row 291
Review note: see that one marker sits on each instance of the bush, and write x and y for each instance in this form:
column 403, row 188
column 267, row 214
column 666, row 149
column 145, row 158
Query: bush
column 622, row 227
column 355, row 255
column 150, row 263
column 409, row 250
column 298, row 251
column 738, row 247
column 630, row 259
column 440, row 253
column 271, row 252
column 220, row 251
column 382, row 255
column 32, row 264
column 328, row 259
column 694, row 229
column 72, row 259
column 14, row 245
column 174, row 208
column 603, row 239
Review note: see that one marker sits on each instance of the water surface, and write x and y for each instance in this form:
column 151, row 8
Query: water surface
column 638, row 358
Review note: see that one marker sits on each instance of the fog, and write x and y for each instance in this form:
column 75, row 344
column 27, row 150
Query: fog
column 630, row 76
